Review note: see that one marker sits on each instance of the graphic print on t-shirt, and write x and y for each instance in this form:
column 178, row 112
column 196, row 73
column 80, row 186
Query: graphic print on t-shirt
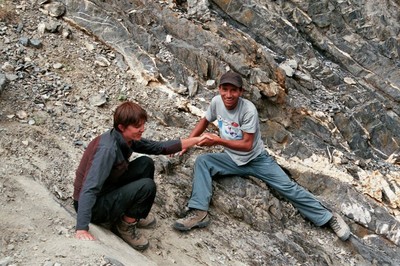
column 229, row 129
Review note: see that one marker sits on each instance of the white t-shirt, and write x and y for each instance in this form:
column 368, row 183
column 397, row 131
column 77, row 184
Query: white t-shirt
column 232, row 124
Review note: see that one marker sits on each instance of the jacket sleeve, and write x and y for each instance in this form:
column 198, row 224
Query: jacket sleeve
column 100, row 169
column 146, row 146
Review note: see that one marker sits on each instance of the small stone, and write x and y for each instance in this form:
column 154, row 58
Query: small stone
column 289, row 66
column 55, row 9
column 122, row 97
column 7, row 67
column 25, row 142
column 78, row 143
column 20, row 27
column 66, row 33
column 211, row 84
column 53, row 26
column 41, row 28
column 58, row 66
column 349, row 81
column 98, row 100
column 24, row 41
column 102, row 61
column 11, row 77
column 36, row 43
column 22, row 114
column 90, row 46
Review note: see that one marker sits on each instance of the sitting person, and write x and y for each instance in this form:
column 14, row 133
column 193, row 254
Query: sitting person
column 244, row 155
column 109, row 188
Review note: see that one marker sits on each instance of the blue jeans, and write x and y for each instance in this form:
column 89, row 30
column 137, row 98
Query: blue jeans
column 263, row 167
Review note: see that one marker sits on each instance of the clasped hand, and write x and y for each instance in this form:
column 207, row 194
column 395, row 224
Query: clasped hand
column 208, row 139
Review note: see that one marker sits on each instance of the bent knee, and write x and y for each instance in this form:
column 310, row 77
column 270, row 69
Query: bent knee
column 148, row 184
column 146, row 161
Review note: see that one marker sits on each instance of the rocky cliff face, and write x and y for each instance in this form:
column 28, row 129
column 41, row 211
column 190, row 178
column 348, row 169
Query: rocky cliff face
column 325, row 74
column 325, row 77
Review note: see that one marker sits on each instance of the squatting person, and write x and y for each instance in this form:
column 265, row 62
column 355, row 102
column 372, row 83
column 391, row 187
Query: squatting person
column 108, row 188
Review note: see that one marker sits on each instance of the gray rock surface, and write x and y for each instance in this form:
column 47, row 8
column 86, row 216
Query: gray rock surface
column 323, row 74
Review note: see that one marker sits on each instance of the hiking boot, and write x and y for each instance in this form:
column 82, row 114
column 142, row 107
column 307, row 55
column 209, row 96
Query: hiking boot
column 148, row 222
column 182, row 213
column 194, row 218
column 339, row 226
column 128, row 232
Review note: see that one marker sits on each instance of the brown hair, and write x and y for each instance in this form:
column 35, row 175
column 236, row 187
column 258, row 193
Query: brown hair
column 129, row 113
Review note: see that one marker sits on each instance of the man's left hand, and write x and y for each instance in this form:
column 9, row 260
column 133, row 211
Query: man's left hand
column 209, row 140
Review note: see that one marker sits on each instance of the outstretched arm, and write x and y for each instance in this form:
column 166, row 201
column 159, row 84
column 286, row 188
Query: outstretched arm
column 200, row 127
column 191, row 141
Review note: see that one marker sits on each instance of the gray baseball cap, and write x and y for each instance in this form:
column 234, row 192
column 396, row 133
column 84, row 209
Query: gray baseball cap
column 231, row 78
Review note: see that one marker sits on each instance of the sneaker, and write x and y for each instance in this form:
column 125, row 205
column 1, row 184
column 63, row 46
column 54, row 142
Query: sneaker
column 128, row 232
column 339, row 226
column 194, row 218
column 148, row 222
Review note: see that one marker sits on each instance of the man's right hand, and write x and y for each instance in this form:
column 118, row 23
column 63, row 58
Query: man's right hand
column 84, row 235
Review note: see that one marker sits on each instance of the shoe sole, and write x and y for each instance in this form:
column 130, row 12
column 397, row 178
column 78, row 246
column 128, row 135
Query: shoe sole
column 139, row 248
column 345, row 237
column 198, row 225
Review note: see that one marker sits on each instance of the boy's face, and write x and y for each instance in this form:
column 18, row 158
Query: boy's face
column 132, row 132
column 230, row 95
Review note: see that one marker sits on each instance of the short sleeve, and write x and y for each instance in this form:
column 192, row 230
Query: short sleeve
column 211, row 113
column 250, row 120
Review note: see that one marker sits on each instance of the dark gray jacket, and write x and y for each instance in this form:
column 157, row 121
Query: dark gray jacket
column 106, row 159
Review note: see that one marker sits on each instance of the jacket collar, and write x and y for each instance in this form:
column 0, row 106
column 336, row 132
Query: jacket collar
column 123, row 145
